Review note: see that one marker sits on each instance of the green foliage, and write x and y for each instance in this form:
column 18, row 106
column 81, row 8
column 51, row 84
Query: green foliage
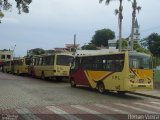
column 153, row 43
column 36, row 51
column 124, row 43
column 5, row 50
column 1, row 14
column 89, row 47
column 102, row 36
column 139, row 48
column 22, row 5
column 156, row 61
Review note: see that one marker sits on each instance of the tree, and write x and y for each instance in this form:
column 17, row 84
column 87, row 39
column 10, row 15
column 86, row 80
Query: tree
column 101, row 37
column 124, row 44
column 1, row 15
column 36, row 51
column 120, row 17
column 22, row 6
column 138, row 8
column 153, row 44
column 90, row 46
column 137, row 46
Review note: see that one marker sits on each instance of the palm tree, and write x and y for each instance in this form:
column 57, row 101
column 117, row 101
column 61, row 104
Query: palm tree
column 4, row 5
column 120, row 17
column 1, row 15
column 22, row 5
column 138, row 8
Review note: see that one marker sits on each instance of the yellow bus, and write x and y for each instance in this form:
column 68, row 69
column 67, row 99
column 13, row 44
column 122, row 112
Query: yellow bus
column 7, row 66
column 121, row 72
column 51, row 66
column 20, row 65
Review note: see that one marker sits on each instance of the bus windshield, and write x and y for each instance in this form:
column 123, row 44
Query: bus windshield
column 64, row 60
column 140, row 61
column 27, row 61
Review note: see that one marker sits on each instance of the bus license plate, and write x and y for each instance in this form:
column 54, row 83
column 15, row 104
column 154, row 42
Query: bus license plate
column 141, row 80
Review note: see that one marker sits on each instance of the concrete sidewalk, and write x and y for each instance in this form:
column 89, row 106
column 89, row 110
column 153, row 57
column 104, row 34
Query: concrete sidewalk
column 154, row 93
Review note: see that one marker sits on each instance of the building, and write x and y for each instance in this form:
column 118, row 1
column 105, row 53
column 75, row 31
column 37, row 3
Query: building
column 5, row 55
column 71, row 47
column 136, row 34
column 112, row 44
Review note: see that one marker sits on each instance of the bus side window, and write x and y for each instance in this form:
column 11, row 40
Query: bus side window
column 108, row 65
column 76, row 63
column 121, row 65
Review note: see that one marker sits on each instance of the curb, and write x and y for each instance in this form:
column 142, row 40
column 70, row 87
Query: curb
column 146, row 95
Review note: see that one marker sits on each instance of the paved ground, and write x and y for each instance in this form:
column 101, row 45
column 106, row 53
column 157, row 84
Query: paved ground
column 37, row 99
column 96, row 111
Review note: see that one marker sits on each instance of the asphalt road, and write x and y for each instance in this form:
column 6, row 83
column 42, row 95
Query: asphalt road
column 21, row 92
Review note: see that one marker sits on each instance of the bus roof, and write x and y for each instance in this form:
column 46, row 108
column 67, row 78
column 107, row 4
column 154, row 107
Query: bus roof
column 138, row 53
column 66, row 53
column 101, row 54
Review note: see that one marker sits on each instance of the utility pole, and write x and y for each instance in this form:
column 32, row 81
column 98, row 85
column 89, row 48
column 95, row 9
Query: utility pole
column 74, row 47
column 14, row 51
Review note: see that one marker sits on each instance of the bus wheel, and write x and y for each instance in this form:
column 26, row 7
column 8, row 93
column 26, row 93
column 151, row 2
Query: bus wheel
column 42, row 76
column 101, row 87
column 72, row 82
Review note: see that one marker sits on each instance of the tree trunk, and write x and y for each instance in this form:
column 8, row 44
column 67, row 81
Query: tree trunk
column 134, row 6
column 120, row 26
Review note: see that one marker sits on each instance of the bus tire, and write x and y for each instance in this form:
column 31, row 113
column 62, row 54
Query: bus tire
column 72, row 82
column 101, row 88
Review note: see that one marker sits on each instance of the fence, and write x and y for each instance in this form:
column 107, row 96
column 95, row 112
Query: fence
column 157, row 75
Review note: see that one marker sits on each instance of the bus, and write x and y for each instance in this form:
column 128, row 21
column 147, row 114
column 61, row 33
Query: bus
column 7, row 66
column 51, row 66
column 121, row 72
column 20, row 65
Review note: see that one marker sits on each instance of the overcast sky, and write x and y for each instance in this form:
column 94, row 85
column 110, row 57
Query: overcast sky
column 53, row 23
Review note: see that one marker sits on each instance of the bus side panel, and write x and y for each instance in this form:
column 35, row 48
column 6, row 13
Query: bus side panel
column 111, row 80
column 79, row 77
column 62, row 70
column 96, row 76
column 37, row 70
column 140, row 79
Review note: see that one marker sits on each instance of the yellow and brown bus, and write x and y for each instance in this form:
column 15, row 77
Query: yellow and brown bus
column 7, row 66
column 51, row 66
column 121, row 72
column 20, row 65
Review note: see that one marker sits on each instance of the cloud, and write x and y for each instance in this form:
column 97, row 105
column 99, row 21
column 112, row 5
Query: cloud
column 10, row 20
column 52, row 23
